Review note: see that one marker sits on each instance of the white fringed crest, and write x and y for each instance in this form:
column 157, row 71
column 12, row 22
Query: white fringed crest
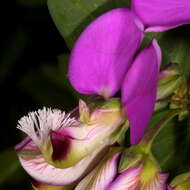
column 38, row 124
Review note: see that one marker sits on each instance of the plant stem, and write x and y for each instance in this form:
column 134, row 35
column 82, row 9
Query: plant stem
column 149, row 137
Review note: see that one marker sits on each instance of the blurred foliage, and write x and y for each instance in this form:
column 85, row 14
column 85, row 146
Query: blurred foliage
column 8, row 166
column 31, row 2
column 171, row 146
column 14, row 49
column 175, row 46
column 33, row 73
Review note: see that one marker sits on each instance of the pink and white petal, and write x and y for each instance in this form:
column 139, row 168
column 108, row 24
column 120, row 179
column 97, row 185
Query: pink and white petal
column 158, row 183
column 128, row 180
column 103, row 53
column 161, row 15
column 41, row 186
column 41, row 171
column 66, row 146
column 139, row 90
column 101, row 176
column 27, row 148
column 78, row 142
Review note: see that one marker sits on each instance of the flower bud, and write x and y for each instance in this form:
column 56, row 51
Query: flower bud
column 169, row 81
column 181, row 182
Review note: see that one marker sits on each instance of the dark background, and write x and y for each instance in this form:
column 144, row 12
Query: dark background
column 30, row 77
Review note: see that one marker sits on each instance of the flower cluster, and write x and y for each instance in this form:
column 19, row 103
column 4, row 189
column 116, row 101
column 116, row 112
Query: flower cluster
column 83, row 149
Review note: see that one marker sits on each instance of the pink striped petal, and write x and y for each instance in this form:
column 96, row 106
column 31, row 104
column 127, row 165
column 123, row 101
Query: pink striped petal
column 139, row 90
column 128, row 180
column 36, row 166
column 157, row 183
column 101, row 176
column 160, row 15
column 41, row 186
column 103, row 53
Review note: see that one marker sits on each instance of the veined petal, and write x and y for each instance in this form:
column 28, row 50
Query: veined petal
column 128, row 180
column 35, row 165
column 101, row 176
column 72, row 144
column 41, row 186
column 157, row 183
column 78, row 148
column 139, row 90
column 103, row 53
column 160, row 15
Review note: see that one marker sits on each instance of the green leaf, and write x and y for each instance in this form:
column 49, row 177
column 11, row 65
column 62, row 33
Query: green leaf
column 72, row 16
column 9, row 165
column 172, row 145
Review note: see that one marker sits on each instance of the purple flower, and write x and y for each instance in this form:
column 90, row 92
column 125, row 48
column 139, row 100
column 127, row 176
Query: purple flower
column 160, row 15
column 60, row 150
column 106, row 176
column 102, row 63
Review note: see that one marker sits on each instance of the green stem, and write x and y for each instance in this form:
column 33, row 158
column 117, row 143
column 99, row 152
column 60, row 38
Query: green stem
column 149, row 137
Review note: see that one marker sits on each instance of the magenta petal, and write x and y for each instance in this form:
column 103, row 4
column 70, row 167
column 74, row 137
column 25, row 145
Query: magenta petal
column 103, row 53
column 139, row 90
column 160, row 15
